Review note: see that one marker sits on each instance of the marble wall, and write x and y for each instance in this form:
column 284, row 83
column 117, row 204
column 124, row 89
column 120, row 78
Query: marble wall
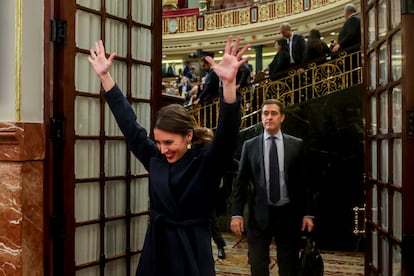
column 22, row 153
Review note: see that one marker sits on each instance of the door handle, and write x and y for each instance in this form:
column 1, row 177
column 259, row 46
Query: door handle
column 359, row 220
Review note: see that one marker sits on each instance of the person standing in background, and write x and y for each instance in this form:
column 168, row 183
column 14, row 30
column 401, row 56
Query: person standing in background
column 281, row 61
column 350, row 34
column 316, row 49
column 296, row 46
column 171, row 70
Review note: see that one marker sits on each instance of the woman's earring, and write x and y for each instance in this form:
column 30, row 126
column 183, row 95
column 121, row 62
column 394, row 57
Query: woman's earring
column 189, row 145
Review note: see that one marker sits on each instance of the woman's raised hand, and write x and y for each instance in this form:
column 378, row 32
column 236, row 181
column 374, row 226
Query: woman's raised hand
column 101, row 64
column 227, row 68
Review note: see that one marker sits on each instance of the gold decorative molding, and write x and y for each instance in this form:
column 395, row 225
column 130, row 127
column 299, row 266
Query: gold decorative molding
column 18, row 58
column 324, row 15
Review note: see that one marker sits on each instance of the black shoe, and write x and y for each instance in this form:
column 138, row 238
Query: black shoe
column 221, row 253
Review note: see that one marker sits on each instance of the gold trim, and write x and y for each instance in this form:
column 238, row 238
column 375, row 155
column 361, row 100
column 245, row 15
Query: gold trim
column 18, row 59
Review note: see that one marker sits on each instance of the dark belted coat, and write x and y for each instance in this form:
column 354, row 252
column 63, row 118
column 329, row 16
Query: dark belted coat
column 178, row 239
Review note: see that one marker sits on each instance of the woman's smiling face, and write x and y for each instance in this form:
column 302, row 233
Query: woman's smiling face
column 173, row 146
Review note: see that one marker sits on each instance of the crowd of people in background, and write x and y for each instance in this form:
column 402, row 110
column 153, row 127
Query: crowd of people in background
column 293, row 51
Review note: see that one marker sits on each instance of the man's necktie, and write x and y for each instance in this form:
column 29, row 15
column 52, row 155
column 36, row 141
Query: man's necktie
column 274, row 185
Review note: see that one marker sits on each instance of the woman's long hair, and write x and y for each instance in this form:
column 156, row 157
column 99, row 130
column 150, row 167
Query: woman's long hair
column 314, row 41
column 174, row 118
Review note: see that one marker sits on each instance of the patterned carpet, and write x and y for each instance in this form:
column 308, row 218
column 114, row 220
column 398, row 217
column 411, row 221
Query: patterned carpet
column 235, row 264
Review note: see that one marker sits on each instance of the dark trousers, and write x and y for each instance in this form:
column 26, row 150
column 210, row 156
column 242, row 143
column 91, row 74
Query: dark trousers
column 284, row 228
column 216, row 234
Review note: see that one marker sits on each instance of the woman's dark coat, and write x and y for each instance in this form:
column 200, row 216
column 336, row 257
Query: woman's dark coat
column 178, row 239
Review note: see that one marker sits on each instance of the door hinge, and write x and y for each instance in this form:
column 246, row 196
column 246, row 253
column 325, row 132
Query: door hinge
column 58, row 31
column 58, row 227
column 57, row 129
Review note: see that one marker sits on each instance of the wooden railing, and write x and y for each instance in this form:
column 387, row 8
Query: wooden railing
column 339, row 73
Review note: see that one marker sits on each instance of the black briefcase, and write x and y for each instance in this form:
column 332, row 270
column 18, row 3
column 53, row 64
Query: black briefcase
column 310, row 260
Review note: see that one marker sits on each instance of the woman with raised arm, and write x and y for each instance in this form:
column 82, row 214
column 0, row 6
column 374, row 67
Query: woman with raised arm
column 184, row 163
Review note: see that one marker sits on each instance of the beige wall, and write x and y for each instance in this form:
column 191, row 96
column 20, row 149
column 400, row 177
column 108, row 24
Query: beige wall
column 21, row 55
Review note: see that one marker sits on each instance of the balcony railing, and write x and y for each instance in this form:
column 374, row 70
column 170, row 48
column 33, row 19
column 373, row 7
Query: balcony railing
column 260, row 11
column 337, row 74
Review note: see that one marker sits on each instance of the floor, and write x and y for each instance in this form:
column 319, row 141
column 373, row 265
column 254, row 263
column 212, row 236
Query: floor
column 235, row 264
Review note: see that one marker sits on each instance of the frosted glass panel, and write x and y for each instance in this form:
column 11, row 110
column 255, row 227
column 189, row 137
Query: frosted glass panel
column 86, row 159
column 115, row 238
column 136, row 166
column 384, row 209
column 88, row 28
column 142, row 11
column 397, row 162
column 372, row 71
column 141, row 44
column 87, row 116
column 111, row 127
column 396, row 56
column 384, row 161
column 397, row 215
column 90, row 271
column 87, row 244
column 119, row 74
column 371, row 28
column 141, row 81
column 396, row 261
column 382, row 18
column 385, row 256
column 143, row 111
column 138, row 229
column 395, row 13
column 396, row 109
column 375, row 204
column 118, row 8
column 373, row 108
column 383, row 112
column 96, row 5
column 87, row 201
column 85, row 77
column 134, row 264
column 383, row 65
column 117, row 267
column 375, row 248
column 374, row 160
column 116, row 37
column 139, row 195
column 115, row 198
column 115, row 158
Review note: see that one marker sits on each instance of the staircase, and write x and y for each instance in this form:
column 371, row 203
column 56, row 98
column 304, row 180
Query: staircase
column 291, row 88
column 324, row 108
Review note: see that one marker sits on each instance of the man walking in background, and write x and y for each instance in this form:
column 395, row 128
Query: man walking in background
column 272, row 168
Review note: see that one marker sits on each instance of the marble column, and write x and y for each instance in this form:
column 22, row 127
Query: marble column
column 22, row 153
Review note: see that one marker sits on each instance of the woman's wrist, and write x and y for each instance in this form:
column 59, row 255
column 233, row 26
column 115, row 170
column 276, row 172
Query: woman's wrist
column 107, row 81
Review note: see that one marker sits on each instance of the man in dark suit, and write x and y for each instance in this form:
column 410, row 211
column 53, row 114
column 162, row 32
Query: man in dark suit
column 350, row 34
column 296, row 45
column 349, row 39
column 210, row 91
column 272, row 170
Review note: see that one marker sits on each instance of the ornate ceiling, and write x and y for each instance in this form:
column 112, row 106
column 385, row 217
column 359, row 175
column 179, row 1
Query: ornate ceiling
column 327, row 19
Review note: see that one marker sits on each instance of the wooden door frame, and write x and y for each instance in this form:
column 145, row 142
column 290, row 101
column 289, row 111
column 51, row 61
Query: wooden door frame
column 59, row 97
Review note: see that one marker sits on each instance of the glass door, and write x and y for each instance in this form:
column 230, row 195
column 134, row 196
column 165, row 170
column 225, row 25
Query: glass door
column 387, row 157
column 104, row 188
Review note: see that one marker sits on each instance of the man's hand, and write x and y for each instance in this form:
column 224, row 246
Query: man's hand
column 237, row 225
column 307, row 224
